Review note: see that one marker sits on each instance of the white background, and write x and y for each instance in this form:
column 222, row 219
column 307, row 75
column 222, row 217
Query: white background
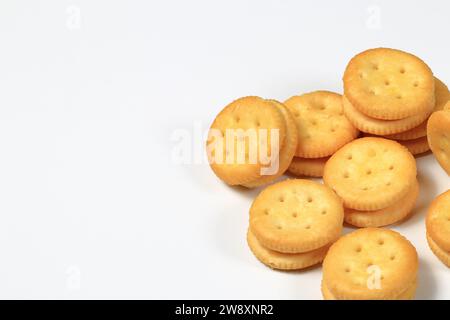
column 95, row 94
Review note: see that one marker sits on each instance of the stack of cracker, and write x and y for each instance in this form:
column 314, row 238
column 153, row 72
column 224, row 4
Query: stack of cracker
column 376, row 179
column 392, row 93
column 251, row 142
column 293, row 223
column 370, row 264
column 403, row 110
column 322, row 129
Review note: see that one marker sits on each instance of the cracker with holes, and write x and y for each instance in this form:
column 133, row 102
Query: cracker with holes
column 294, row 216
column 251, row 142
column 438, row 132
column 389, row 84
column 370, row 264
column 383, row 217
column 286, row 152
column 438, row 227
column 442, row 95
column 307, row 167
column 371, row 173
column 416, row 139
column 321, row 123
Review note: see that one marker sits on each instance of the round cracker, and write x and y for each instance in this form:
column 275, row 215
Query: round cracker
column 248, row 113
column 383, row 217
column 321, row 123
column 285, row 261
column 442, row 255
column 389, row 84
column 438, row 132
column 296, row 215
column 307, row 167
column 355, row 259
column 287, row 151
column 380, row 127
column 370, row 173
column 416, row 146
column 438, row 221
column 442, row 96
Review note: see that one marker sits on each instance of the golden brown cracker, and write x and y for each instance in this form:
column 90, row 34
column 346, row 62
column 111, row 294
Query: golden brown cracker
column 296, row 215
column 370, row 263
column 236, row 159
column 287, row 151
column 370, row 173
column 389, row 84
column 322, row 125
column 442, row 96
